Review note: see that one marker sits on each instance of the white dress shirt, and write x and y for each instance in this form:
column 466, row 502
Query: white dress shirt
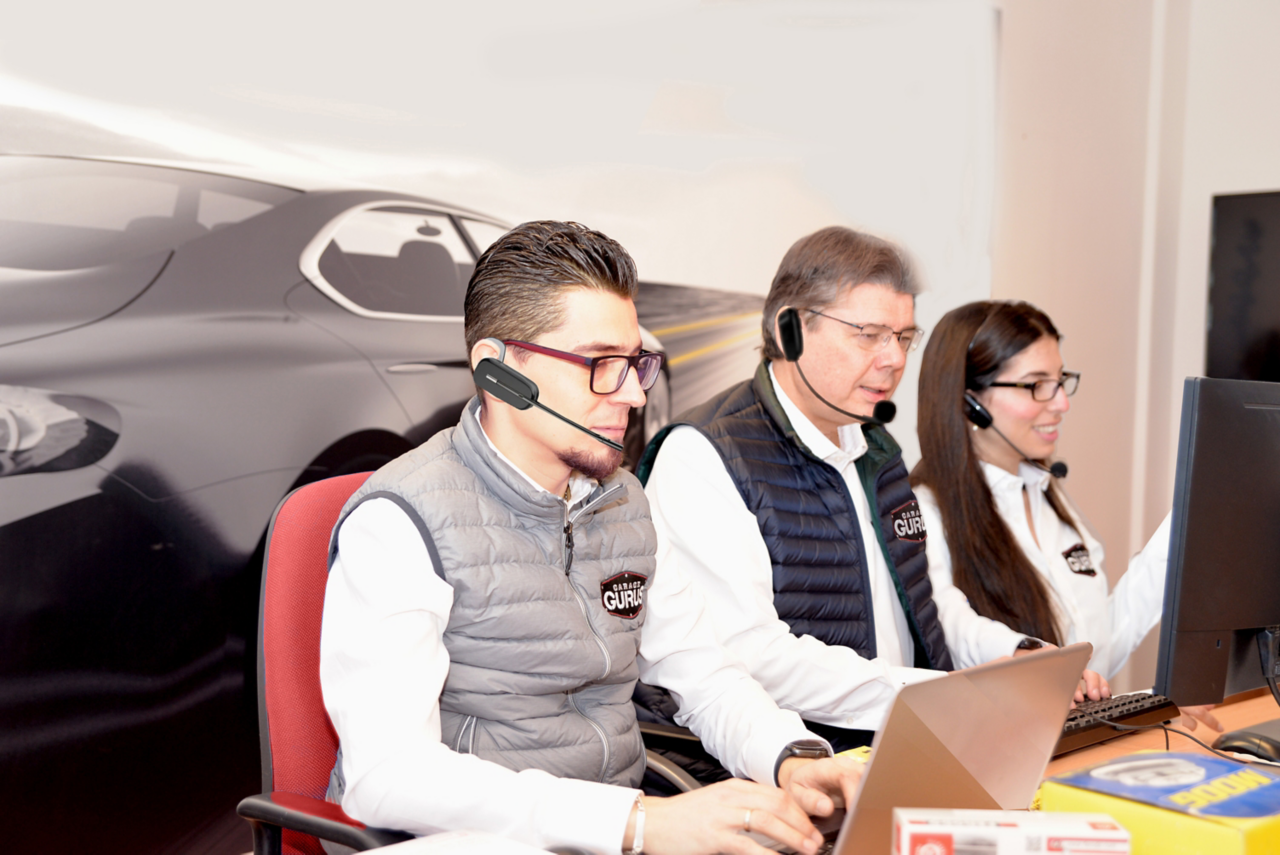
column 1114, row 622
column 383, row 665
column 707, row 534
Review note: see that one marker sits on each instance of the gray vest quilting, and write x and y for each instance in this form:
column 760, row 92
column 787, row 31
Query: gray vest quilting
column 542, row 657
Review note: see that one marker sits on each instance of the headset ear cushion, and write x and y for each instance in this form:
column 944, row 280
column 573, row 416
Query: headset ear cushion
column 976, row 413
column 790, row 335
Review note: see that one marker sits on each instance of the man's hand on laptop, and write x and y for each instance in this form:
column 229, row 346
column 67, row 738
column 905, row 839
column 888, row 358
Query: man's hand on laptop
column 711, row 820
column 821, row 786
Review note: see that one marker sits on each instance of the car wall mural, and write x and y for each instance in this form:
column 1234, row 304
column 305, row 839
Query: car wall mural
column 179, row 348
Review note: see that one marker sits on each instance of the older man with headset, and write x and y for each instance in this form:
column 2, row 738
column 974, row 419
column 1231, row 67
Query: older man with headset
column 786, row 502
column 493, row 597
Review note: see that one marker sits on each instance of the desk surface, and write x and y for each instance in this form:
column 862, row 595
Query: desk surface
column 1237, row 712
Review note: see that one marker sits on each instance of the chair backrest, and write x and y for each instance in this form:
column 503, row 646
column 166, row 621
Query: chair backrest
column 298, row 741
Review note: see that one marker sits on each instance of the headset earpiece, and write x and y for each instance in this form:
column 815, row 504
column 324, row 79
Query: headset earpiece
column 790, row 335
column 505, row 383
column 976, row 413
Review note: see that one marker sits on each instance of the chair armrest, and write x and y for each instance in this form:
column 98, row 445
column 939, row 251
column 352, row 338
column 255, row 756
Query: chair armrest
column 280, row 810
column 665, row 731
column 678, row 778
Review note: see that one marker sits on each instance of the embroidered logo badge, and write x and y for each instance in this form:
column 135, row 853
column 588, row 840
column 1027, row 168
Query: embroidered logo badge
column 907, row 522
column 1079, row 560
column 623, row 595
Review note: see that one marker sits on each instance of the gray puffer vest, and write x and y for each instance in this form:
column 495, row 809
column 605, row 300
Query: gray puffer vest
column 548, row 605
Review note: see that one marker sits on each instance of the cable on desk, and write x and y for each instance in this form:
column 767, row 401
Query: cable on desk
column 1167, row 729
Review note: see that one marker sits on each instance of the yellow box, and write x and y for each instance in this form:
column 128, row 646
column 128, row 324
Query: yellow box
column 1178, row 804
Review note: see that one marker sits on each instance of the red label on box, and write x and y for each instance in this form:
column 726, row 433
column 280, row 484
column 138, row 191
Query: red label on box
column 925, row 843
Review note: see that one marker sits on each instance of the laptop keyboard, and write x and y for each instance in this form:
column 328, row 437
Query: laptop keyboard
column 1084, row 728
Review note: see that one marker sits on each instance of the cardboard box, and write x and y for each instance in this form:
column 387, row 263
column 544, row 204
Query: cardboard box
column 1178, row 804
column 931, row 831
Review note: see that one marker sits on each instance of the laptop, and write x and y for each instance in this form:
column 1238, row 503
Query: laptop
column 978, row 738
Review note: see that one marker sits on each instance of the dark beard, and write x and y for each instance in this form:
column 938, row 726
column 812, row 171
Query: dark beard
column 595, row 466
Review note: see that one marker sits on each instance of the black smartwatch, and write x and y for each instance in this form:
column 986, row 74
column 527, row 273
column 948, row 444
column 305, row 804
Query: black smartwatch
column 1029, row 643
column 812, row 749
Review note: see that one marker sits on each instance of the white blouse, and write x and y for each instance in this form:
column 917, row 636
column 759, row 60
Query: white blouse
column 1069, row 559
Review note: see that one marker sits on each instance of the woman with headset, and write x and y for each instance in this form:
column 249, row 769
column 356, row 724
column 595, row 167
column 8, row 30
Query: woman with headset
column 1004, row 540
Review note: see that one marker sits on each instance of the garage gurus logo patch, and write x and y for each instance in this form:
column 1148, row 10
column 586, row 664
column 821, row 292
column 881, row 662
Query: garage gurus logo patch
column 623, row 595
column 1079, row 560
column 907, row 522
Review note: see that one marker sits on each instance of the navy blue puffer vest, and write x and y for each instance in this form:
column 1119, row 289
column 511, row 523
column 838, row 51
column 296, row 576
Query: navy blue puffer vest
column 808, row 522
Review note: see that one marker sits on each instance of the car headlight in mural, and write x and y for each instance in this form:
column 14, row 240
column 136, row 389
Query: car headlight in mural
column 41, row 431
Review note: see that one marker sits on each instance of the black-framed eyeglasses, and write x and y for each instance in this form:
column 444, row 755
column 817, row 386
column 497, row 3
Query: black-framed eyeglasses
column 608, row 373
column 1044, row 390
column 875, row 337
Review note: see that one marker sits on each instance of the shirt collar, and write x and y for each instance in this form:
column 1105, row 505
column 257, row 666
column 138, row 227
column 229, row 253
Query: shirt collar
column 580, row 486
column 1033, row 478
column 853, row 442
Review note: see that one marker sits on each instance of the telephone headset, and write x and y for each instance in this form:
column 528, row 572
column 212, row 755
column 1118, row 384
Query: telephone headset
column 511, row 387
column 982, row 418
column 791, row 339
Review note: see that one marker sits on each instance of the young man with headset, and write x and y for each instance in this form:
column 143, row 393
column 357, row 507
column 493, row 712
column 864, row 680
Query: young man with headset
column 786, row 502
column 493, row 597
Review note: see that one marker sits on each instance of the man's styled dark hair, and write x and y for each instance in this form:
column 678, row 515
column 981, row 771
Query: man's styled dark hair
column 516, row 288
column 818, row 267
column 967, row 351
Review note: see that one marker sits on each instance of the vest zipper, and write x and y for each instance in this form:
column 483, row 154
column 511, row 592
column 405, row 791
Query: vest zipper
column 586, row 615
column 582, row 604
column 604, row 739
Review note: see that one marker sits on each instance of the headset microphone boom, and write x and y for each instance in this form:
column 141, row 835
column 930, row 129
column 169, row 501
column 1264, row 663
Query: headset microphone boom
column 511, row 387
column 791, row 338
column 982, row 419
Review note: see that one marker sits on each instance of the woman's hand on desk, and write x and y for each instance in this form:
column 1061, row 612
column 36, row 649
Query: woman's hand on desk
column 1190, row 715
column 1093, row 687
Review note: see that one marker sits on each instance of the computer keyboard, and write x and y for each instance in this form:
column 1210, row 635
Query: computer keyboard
column 1083, row 727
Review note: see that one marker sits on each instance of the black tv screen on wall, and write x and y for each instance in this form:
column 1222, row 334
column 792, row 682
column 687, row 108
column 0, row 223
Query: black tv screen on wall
column 1244, row 288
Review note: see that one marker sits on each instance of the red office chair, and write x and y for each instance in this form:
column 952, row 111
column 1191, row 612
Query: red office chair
column 298, row 742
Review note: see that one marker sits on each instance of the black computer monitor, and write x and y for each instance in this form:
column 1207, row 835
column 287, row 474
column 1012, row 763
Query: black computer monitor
column 1221, row 623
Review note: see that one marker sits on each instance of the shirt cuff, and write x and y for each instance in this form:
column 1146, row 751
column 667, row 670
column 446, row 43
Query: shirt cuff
column 999, row 641
column 587, row 815
column 764, row 763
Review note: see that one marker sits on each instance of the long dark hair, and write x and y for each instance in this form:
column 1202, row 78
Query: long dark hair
column 966, row 351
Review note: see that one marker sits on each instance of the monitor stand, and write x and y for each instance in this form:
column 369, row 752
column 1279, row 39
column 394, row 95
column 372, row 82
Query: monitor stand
column 1269, row 653
column 1261, row 740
